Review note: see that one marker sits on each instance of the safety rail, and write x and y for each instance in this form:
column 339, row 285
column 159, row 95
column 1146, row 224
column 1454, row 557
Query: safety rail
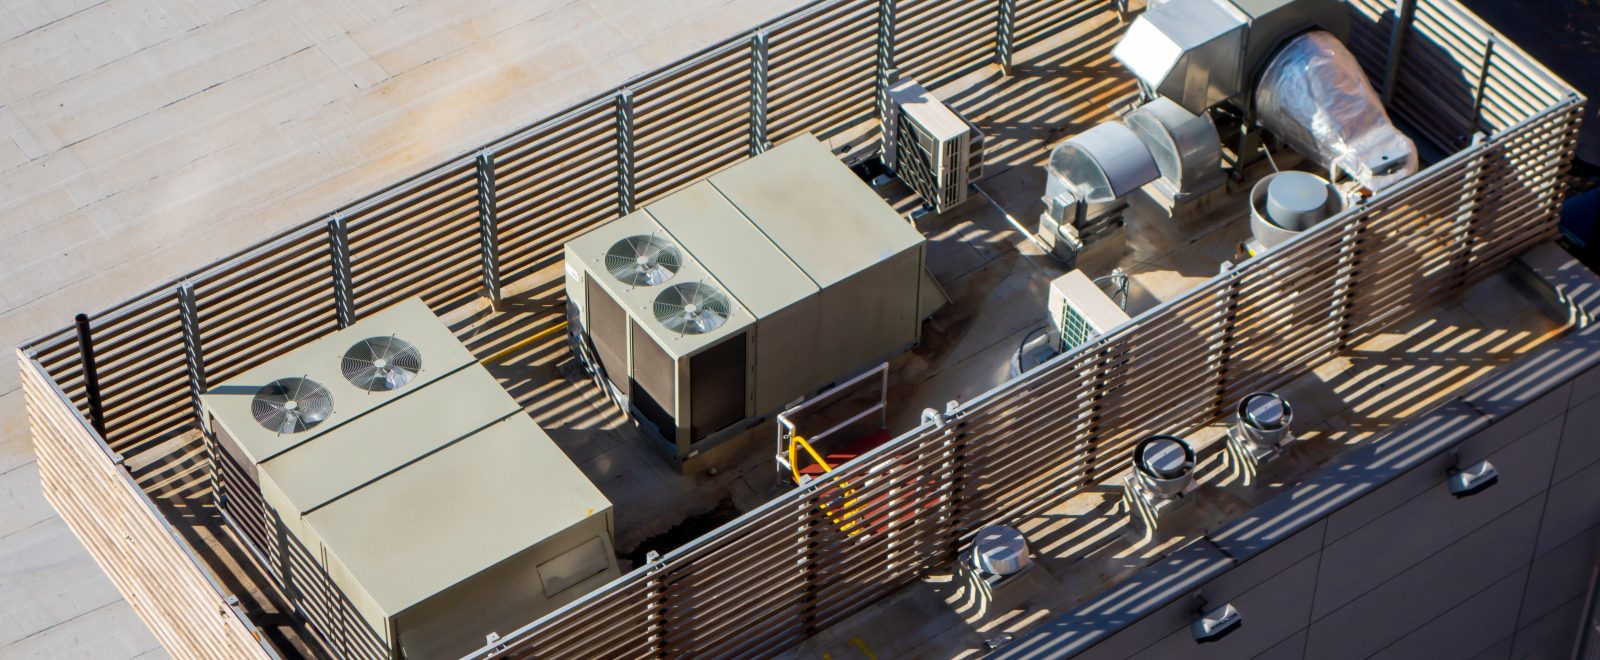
column 469, row 227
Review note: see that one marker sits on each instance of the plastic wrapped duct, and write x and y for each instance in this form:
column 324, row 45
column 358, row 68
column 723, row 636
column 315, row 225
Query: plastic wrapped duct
column 1314, row 95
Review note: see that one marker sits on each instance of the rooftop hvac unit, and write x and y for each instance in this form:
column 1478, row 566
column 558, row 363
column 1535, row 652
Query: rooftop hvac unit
column 937, row 152
column 720, row 304
column 1080, row 311
column 401, row 519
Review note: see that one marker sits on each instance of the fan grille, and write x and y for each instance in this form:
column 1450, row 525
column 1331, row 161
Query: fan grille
column 381, row 364
column 291, row 405
column 643, row 260
column 691, row 308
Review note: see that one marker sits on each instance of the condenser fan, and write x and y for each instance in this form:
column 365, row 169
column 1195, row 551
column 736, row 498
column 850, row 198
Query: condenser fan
column 291, row 405
column 643, row 260
column 691, row 308
column 380, row 364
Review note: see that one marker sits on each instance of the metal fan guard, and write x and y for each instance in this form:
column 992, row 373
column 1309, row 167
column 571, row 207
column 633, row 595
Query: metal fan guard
column 291, row 405
column 691, row 308
column 381, row 364
column 643, row 260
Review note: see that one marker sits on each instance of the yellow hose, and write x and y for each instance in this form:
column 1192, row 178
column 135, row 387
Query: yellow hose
column 524, row 343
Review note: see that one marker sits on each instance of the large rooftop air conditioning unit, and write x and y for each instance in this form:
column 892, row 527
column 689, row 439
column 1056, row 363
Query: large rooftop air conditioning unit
column 1080, row 311
column 706, row 311
column 398, row 495
column 937, row 152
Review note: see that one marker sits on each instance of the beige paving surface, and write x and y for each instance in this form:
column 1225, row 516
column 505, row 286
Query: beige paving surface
column 140, row 139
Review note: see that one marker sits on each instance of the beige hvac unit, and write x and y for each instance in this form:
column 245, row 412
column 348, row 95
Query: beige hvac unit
column 399, row 496
column 706, row 311
column 1080, row 311
column 937, row 152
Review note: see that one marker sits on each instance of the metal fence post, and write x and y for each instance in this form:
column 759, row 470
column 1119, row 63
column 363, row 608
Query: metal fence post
column 758, row 92
column 339, row 256
column 1347, row 282
column 1483, row 79
column 807, row 531
column 1467, row 210
column 1004, row 48
column 91, row 376
column 1403, row 12
column 885, row 64
column 624, row 103
column 193, row 358
column 1228, row 321
column 488, row 228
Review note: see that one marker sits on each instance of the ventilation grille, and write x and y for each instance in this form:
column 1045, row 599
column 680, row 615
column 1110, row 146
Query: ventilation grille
column 291, row 405
column 381, row 364
column 691, row 308
column 643, row 260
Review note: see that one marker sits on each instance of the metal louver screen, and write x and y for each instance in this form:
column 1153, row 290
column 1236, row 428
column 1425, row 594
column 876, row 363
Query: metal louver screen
column 717, row 387
column 608, row 329
column 654, row 374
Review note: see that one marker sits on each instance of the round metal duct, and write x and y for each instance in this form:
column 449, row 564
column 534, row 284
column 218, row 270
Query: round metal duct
column 1104, row 163
column 1185, row 147
column 1000, row 550
column 1165, row 463
column 1286, row 203
column 1264, row 419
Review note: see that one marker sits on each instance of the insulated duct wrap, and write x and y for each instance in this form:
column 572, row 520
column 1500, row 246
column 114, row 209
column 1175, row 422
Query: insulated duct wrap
column 1314, row 96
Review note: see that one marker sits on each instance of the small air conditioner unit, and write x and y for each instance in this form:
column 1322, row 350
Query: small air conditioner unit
column 937, row 152
column 1080, row 311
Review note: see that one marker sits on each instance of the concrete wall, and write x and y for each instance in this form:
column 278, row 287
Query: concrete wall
column 1373, row 557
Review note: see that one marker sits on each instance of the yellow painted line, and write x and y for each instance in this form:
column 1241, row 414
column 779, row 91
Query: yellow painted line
column 862, row 647
column 524, row 343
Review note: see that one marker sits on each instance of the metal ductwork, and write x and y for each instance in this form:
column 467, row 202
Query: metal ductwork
column 1314, row 96
column 1202, row 52
column 1186, row 148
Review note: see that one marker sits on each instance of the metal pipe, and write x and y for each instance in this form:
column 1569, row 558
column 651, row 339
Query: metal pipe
column 1403, row 12
column 91, row 376
column 1017, row 224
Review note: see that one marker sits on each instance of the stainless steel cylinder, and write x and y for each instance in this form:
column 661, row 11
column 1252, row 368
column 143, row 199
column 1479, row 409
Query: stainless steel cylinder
column 1164, row 464
column 1263, row 419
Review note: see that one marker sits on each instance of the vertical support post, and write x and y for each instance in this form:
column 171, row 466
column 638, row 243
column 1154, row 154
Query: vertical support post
column 1004, row 38
column 193, row 359
column 656, row 613
column 488, row 228
column 758, row 93
column 885, row 73
column 808, row 520
column 91, row 376
column 1483, row 79
column 1403, row 12
column 624, row 103
column 344, row 299
column 1347, row 283
column 1228, row 321
column 1467, row 211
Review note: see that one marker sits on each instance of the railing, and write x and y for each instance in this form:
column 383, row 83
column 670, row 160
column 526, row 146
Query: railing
column 471, row 226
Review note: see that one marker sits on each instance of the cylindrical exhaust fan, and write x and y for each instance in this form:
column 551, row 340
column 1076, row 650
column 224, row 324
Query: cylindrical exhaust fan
column 1165, row 464
column 1264, row 419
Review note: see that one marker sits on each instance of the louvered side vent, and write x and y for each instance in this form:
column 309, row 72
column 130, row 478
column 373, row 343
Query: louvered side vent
column 935, row 151
column 1075, row 330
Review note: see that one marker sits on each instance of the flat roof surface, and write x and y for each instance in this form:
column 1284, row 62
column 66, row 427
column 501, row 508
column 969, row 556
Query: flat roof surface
column 456, row 512
column 816, row 210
